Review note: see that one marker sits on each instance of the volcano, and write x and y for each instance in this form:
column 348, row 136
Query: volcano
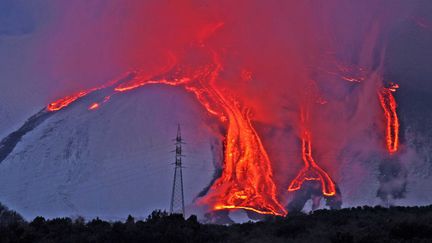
column 80, row 156
column 78, row 161
column 277, row 111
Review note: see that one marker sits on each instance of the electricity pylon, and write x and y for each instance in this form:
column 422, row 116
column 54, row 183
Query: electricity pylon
column 177, row 196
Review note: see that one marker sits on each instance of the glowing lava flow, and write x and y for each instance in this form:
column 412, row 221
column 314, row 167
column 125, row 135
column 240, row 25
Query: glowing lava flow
column 246, row 181
column 389, row 105
column 311, row 170
column 94, row 106
column 64, row 102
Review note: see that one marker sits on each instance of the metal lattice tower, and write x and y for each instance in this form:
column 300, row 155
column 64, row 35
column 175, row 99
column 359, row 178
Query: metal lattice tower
column 177, row 196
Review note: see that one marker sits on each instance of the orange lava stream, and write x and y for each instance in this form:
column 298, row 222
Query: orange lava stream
column 311, row 170
column 64, row 102
column 247, row 178
column 94, row 106
column 246, row 181
column 141, row 80
column 389, row 105
column 223, row 207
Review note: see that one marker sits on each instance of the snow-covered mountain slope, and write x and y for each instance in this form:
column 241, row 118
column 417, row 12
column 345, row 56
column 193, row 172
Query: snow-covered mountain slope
column 108, row 162
column 117, row 160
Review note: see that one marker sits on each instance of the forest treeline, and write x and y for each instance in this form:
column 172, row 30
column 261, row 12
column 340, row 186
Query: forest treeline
column 361, row 224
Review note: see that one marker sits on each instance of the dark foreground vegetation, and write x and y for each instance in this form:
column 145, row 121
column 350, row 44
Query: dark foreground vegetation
column 366, row 224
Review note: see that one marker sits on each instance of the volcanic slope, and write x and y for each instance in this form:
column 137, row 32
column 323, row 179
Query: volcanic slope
column 107, row 162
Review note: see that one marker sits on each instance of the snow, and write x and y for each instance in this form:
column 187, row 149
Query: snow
column 117, row 160
column 109, row 162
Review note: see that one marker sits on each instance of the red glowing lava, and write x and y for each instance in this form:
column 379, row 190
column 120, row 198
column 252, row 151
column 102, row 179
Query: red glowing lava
column 311, row 170
column 94, row 106
column 66, row 101
column 389, row 105
column 141, row 80
column 246, row 181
